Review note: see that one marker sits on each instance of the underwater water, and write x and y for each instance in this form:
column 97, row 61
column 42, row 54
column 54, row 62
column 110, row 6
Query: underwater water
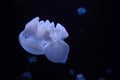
column 58, row 40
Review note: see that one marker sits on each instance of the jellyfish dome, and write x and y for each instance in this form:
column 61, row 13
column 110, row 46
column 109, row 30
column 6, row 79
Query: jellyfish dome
column 81, row 11
column 43, row 38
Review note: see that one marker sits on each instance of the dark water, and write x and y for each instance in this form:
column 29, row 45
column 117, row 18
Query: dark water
column 90, row 39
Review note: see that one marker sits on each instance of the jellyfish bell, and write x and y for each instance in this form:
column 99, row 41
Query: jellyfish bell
column 30, row 45
column 81, row 11
column 57, row 52
column 30, row 39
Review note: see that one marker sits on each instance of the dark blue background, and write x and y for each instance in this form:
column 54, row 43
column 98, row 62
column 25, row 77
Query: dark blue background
column 90, row 38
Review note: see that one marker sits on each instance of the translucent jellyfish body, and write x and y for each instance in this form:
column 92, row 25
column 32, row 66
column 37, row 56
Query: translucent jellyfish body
column 80, row 76
column 42, row 37
column 81, row 11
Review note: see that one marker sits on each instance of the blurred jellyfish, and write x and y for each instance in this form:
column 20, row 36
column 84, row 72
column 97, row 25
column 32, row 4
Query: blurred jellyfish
column 42, row 37
column 27, row 75
column 71, row 71
column 32, row 59
column 80, row 77
column 101, row 78
column 81, row 11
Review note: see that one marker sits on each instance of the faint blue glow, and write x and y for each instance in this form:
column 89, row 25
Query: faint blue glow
column 81, row 11
column 71, row 71
column 109, row 71
column 101, row 78
column 44, row 38
column 32, row 59
column 80, row 76
column 27, row 75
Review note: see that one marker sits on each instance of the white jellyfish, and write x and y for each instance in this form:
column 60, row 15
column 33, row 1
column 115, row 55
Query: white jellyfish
column 42, row 37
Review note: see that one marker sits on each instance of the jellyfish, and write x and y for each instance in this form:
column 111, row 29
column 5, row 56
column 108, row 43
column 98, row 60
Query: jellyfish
column 25, row 76
column 81, row 11
column 44, row 38
column 80, row 76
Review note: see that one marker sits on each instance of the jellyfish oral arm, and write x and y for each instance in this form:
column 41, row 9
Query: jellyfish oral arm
column 60, row 33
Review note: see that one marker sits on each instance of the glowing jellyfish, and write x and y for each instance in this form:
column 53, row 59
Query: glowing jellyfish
column 42, row 37
column 80, row 76
column 81, row 11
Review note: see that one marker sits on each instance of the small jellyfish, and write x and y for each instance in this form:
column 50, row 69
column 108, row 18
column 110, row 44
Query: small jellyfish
column 27, row 75
column 32, row 59
column 80, row 76
column 81, row 11
column 43, row 38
